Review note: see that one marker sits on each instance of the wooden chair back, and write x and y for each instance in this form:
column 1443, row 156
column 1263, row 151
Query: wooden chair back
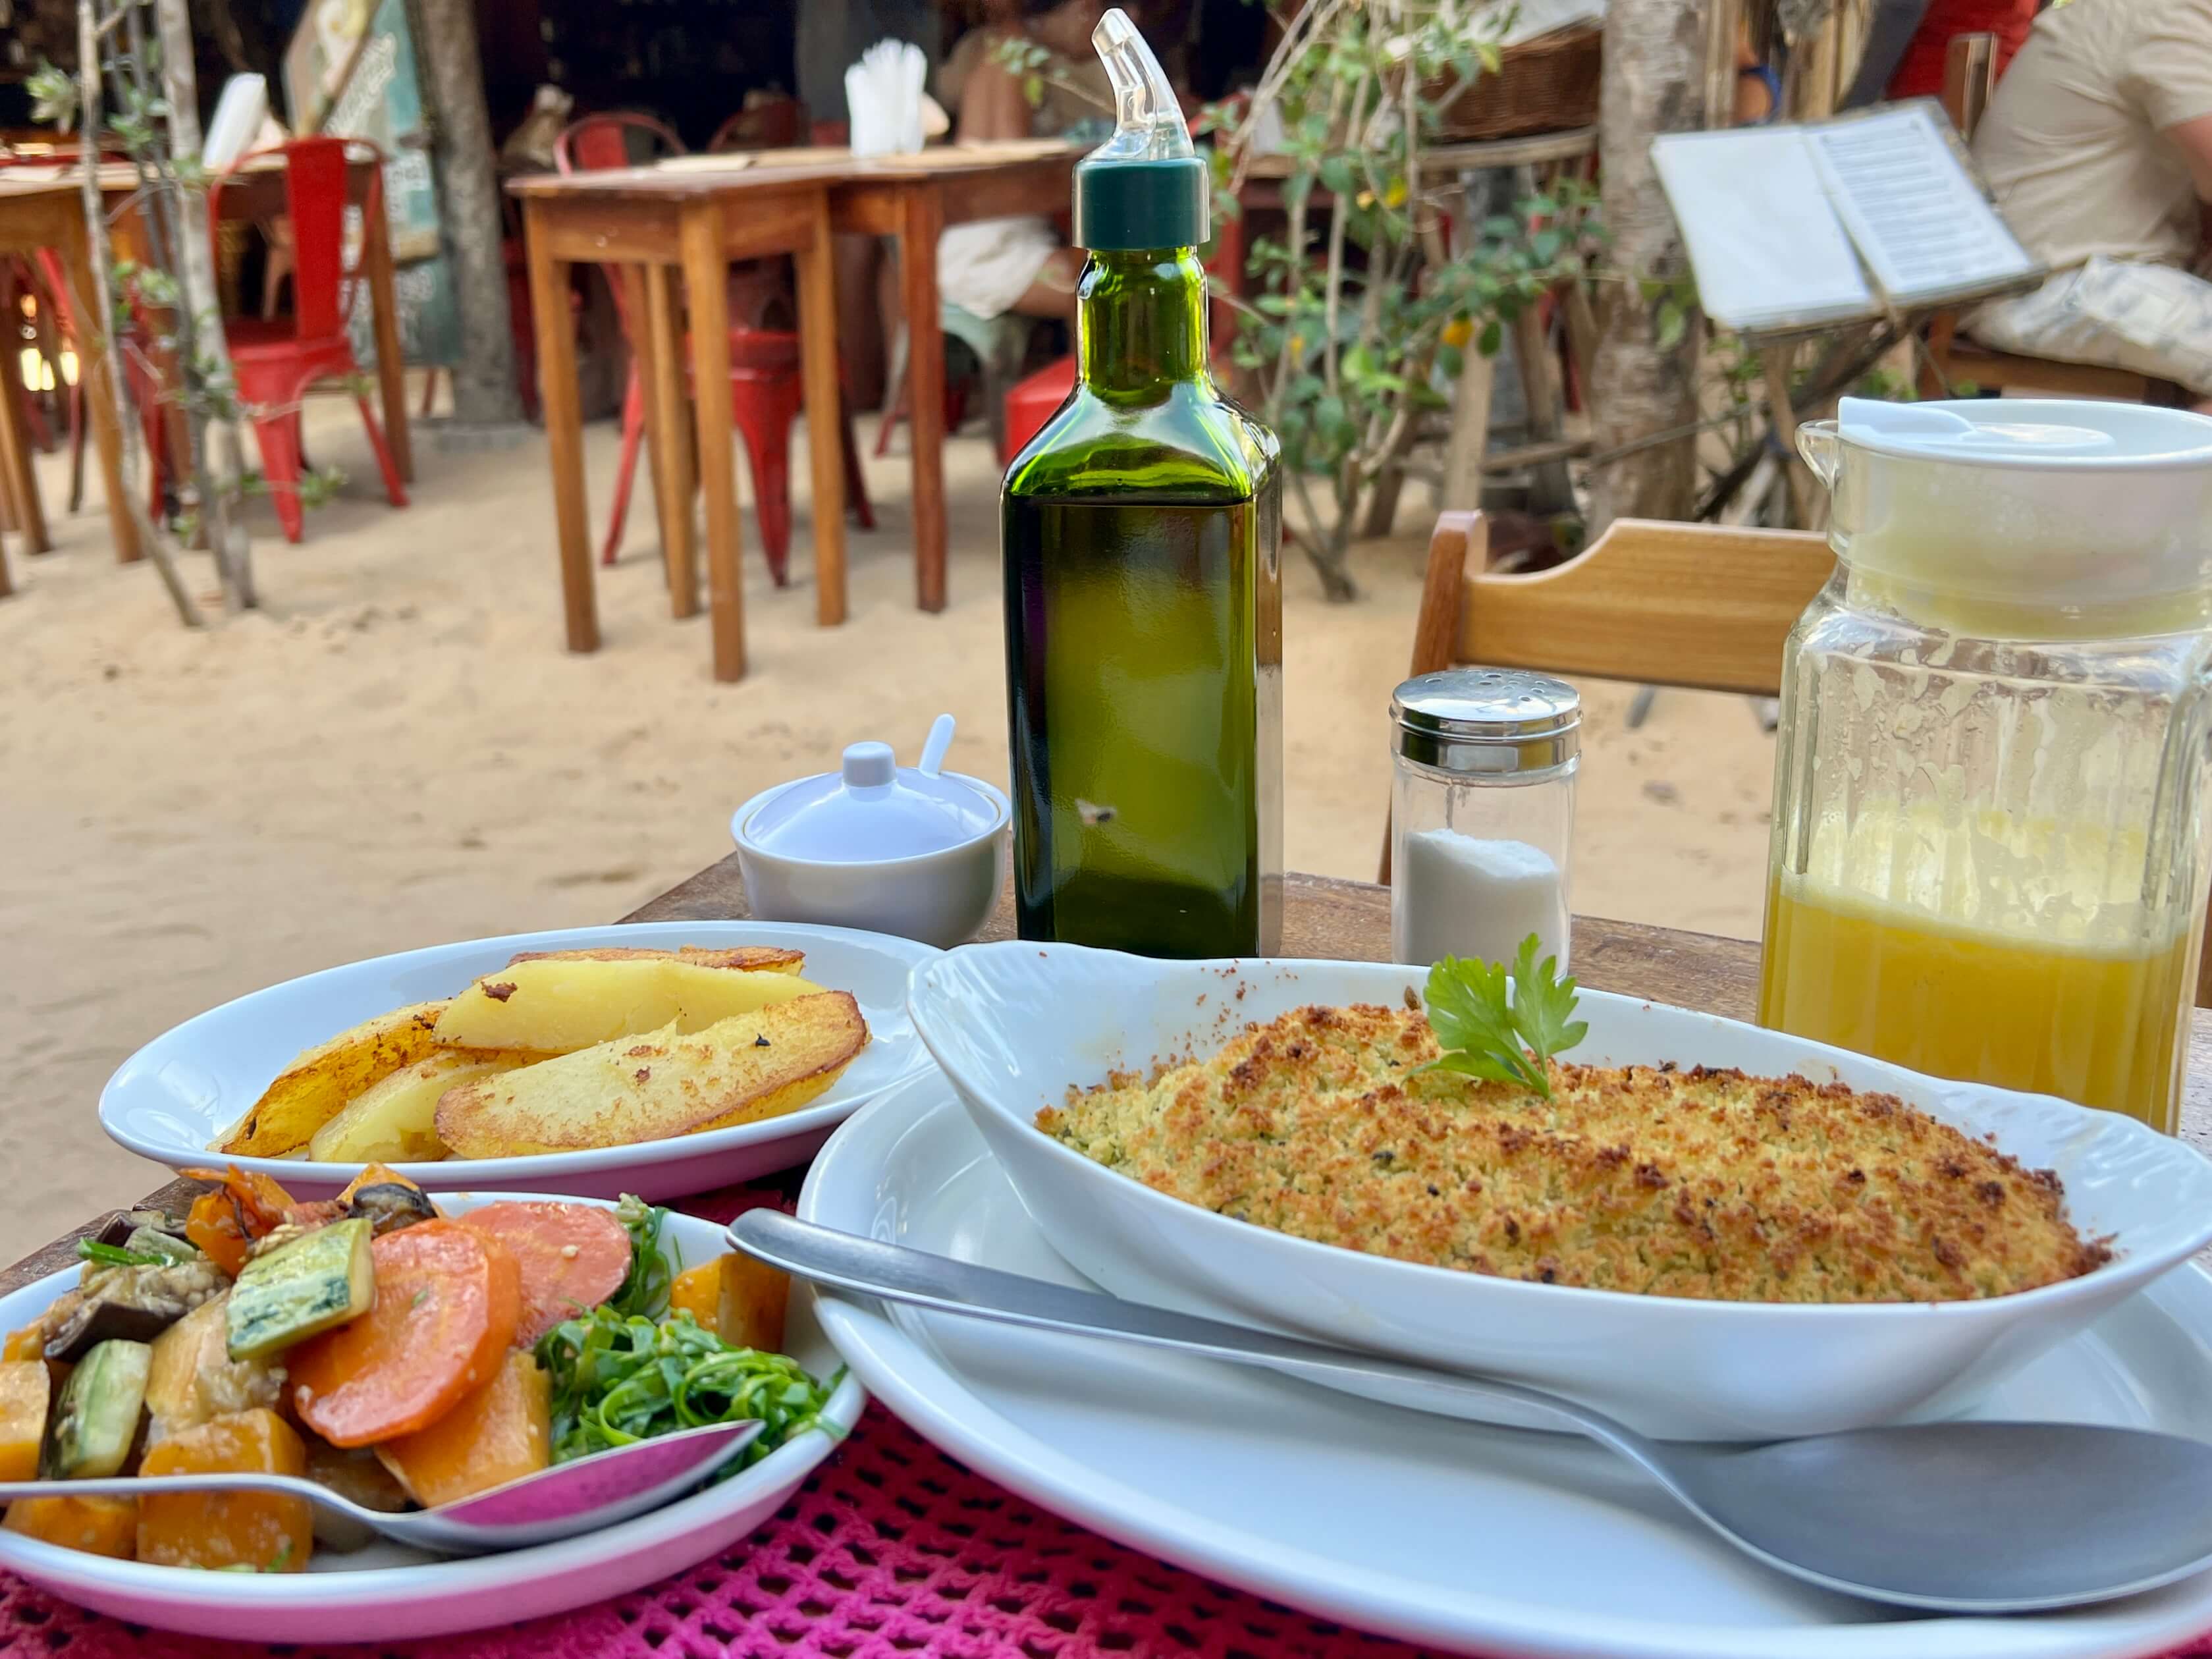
column 1702, row 606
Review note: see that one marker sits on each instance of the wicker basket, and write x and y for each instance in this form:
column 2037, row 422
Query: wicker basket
column 1547, row 84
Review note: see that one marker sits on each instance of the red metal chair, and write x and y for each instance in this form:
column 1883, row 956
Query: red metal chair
column 1031, row 401
column 277, row 362
column 775, row 122
column 766, row 391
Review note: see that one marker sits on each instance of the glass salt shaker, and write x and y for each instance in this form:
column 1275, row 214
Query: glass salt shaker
column 1482, row 813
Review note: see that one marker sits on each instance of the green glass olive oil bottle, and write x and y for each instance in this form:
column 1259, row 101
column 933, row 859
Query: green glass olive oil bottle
column 1142, row 533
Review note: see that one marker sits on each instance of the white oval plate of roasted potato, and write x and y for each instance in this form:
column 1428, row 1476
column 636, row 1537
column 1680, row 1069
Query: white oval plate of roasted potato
column 653, row 1057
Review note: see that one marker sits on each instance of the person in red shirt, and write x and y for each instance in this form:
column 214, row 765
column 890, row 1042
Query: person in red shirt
column 1906, row 40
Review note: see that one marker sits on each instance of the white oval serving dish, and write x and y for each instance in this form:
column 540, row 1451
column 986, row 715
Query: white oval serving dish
column 1454, row 1537
column 181, row 1092
column 386, row 1592
column 1014, row 1025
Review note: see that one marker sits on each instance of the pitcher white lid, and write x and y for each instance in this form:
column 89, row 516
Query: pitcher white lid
column 2030, row 432
column 2024, row 518
column 869, row 810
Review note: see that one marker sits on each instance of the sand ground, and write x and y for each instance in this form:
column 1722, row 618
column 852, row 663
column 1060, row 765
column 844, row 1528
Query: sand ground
column 396, row 750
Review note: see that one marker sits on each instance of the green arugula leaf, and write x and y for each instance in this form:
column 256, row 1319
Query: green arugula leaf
column 1504, row 1038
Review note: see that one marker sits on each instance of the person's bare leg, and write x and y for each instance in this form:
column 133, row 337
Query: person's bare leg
column 1052, row 292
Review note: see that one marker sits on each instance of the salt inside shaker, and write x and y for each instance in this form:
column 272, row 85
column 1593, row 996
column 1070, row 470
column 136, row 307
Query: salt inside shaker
column 1482, row 813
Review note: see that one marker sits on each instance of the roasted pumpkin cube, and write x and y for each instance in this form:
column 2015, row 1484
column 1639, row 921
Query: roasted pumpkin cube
column 98, row 1526
column 749, row 1313
column 25, row 1342
column 499, row 1432
column 192, row 1379
column 265, row 1531
column 24, row 1394
column 737, row 1299
column 698, row 1292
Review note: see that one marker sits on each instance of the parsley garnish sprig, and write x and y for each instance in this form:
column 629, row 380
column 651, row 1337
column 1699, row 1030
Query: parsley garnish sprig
column 1486, row 1033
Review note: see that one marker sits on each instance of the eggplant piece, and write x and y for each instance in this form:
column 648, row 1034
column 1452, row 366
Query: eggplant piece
column 106, row 1321
column 388, row 1205
column 127, row 1304
column 118, row 1227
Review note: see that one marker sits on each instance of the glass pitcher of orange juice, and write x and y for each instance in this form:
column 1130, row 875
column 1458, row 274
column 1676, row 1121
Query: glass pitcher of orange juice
column 1988, row 856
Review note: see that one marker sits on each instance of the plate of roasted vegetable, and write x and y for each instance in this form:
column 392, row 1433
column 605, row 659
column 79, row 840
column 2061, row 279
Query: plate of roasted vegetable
column 409, row 1352
column 658, row 1058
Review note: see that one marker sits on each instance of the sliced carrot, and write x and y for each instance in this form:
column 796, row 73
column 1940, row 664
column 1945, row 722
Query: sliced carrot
column 573, row 1257
column 447, row 1302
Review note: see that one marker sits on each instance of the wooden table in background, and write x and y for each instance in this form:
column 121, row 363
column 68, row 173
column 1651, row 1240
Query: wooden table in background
column 648, row 224
column 913, row 198
column 653, row 222
column 41, row 213
column 1326, row 918
column 42, row 207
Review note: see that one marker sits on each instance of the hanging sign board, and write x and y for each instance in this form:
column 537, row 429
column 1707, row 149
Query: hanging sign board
column 350, row 73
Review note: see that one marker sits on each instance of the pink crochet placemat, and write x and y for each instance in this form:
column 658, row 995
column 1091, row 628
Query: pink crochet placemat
column 890, row 1551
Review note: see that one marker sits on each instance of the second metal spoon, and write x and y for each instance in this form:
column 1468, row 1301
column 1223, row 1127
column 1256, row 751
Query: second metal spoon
column 577, row 1496
column 1956, row 1518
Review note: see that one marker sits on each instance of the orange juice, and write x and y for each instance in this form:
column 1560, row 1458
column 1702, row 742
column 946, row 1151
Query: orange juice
column 2089, row 1020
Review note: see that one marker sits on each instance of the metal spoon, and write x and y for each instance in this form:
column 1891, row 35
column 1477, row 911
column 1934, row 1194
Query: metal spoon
column 1958, row 1518
column 561, row 1501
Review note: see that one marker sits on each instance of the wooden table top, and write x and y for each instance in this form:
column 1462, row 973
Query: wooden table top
column 666, row 184
column 1328, row 918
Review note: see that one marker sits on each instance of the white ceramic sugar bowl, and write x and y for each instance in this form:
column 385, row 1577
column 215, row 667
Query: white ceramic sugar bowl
column 910, row 850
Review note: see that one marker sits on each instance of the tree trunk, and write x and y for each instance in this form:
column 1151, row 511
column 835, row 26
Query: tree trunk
column 1654, row 82
column 484, row 391
column 214, row 440
column 100, row 254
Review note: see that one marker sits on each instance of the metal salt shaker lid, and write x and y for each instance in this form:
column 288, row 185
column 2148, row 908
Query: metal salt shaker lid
column 1497, row 723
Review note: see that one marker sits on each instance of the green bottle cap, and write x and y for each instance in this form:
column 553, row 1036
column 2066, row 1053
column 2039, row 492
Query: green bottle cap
column 1146, row 186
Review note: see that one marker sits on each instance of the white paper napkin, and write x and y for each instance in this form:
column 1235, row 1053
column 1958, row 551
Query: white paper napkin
column 884, row 96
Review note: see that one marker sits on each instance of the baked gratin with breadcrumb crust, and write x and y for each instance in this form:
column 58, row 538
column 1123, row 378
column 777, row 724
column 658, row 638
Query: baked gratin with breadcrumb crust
column 1324, row 1124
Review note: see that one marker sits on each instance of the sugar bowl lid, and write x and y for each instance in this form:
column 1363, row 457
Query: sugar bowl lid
column 869, row 810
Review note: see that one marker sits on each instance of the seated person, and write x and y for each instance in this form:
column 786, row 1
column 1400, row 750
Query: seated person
column 993, row 266
column 2098, row 148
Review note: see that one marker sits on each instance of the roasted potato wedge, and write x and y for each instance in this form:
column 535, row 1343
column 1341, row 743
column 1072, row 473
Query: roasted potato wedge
column 395, row 1120
column 316, row 1086
column 558, row 1002
column 661, row 1084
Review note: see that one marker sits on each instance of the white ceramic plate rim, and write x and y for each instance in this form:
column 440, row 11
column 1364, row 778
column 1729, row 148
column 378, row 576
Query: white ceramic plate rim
column 1944, row 1099
column 832, row 1108
column 781, row 1470
column 844, row 1189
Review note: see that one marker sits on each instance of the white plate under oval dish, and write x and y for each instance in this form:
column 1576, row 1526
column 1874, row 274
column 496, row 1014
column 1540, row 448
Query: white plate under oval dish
column 1014, row 1026
column 185, row 1089
column 386, row 1592
column 1457, row 1536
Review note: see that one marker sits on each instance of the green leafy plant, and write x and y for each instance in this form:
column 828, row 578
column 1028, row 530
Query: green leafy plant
column 1362, row 313
column 1505, row 1037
